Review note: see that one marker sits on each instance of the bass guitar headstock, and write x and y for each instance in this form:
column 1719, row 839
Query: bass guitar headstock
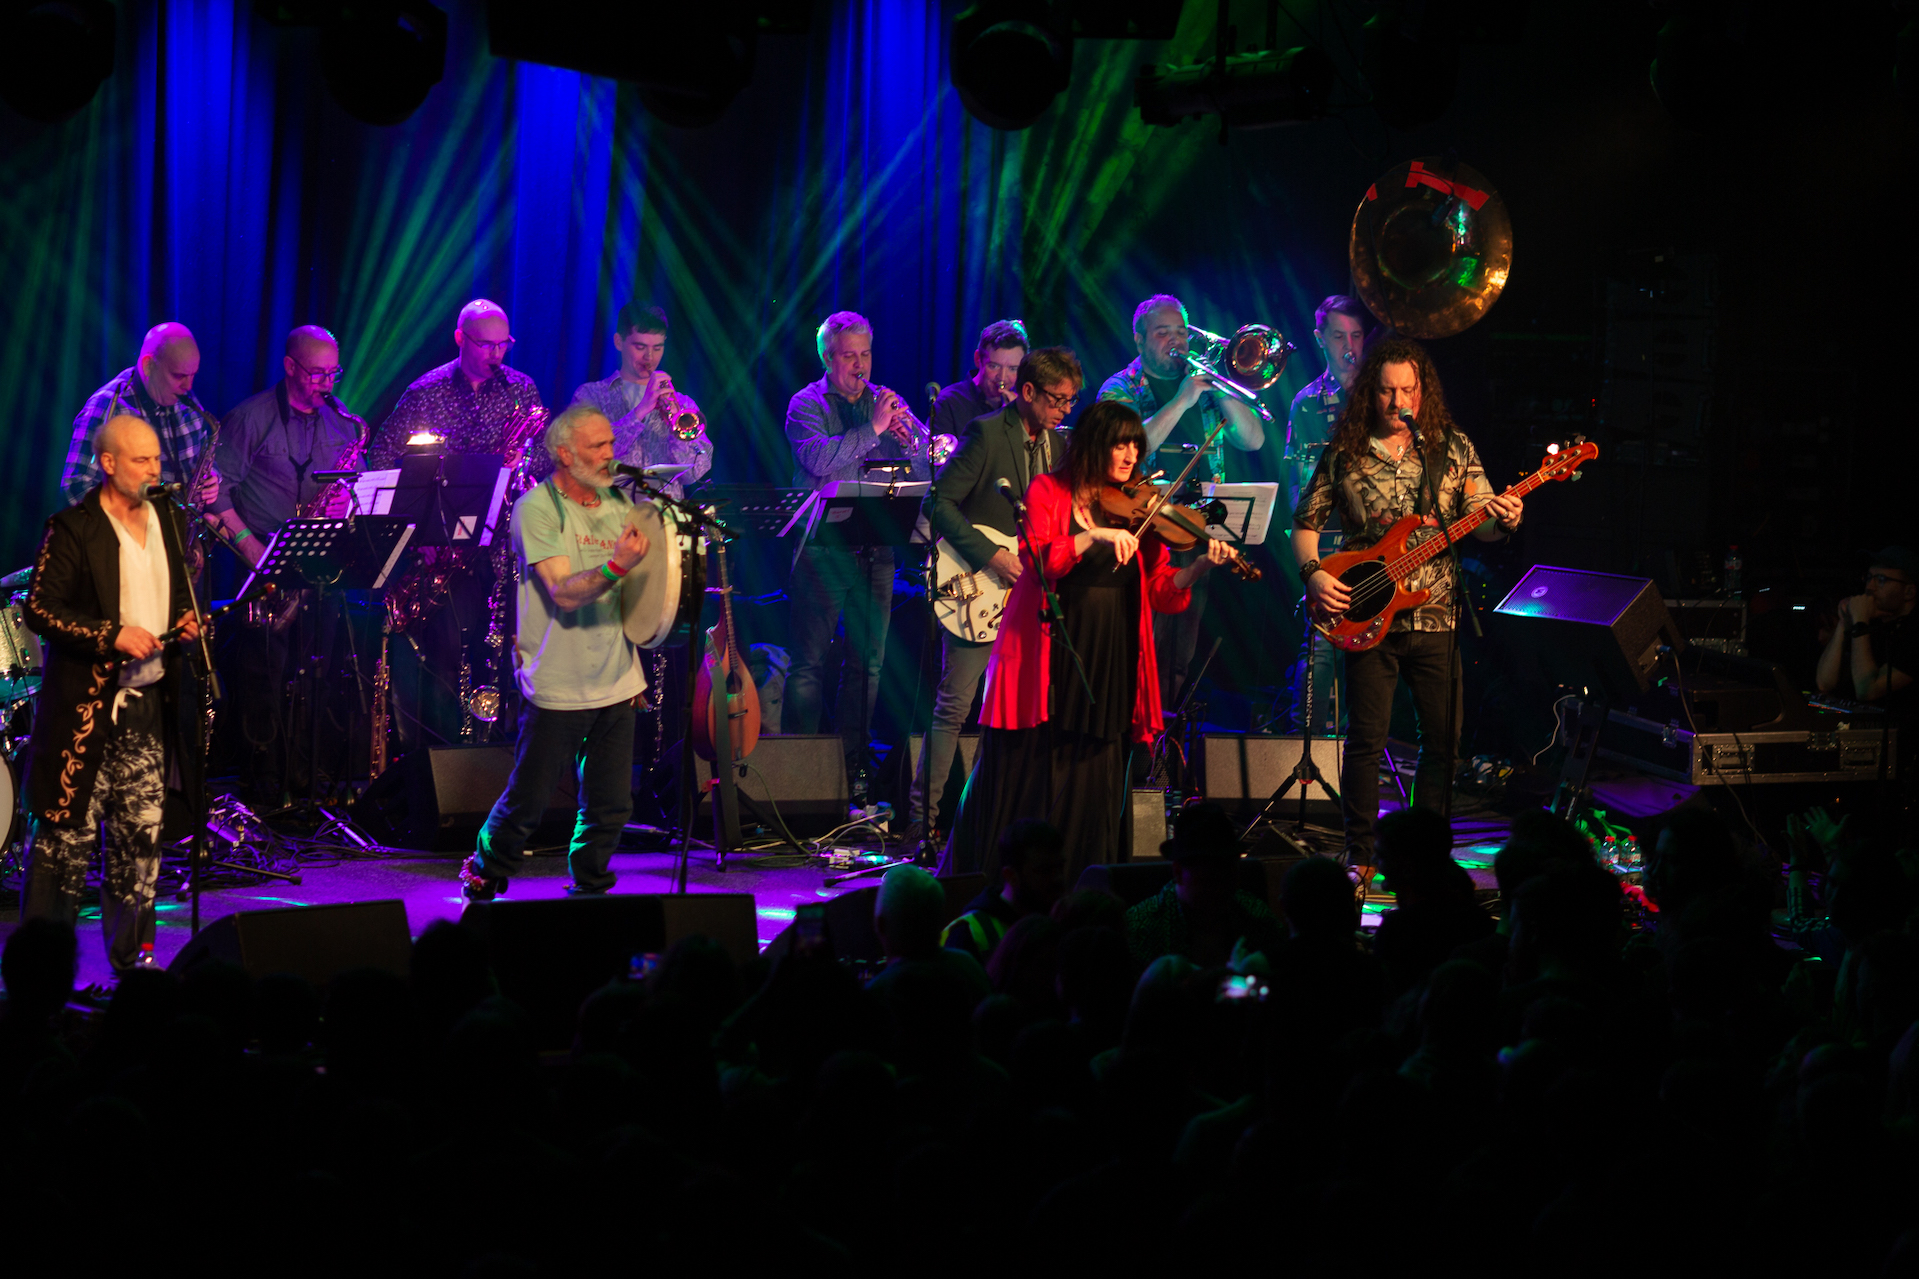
column 1562, row 461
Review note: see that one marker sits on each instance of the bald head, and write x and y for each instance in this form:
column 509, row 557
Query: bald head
column 312, row 366
column 310, row 340
column 129, row 454
column 169, row 359
column 484, row 337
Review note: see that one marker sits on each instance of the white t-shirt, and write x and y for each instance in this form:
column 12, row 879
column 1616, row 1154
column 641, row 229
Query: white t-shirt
column 574, row 659
column 146, row 592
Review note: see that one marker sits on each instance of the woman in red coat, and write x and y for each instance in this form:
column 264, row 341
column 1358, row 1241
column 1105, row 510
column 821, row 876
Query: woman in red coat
column 1053, row 745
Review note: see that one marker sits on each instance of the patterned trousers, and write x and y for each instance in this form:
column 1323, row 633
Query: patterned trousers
column 129, row 794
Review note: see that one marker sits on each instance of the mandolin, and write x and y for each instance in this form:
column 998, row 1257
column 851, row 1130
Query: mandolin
column 723, row 667
column 1376, row 576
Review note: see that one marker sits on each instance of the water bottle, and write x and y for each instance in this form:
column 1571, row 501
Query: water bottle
column 1733, row 565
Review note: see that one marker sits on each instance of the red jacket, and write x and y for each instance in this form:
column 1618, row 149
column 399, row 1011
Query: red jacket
column 1020, row 668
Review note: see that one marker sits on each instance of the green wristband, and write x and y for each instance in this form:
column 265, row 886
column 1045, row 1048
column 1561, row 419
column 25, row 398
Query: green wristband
column 609, row 575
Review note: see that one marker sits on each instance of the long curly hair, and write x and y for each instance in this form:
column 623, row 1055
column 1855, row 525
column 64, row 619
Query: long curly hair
column 1360, row 418
column 1101, row 429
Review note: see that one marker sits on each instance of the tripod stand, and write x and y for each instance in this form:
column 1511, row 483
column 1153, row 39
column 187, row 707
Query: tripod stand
column 1305, row 772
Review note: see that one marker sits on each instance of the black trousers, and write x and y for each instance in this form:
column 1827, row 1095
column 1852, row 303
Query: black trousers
column 1421, row 659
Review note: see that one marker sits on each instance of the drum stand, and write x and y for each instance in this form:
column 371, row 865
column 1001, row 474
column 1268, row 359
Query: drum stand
column 1305, row 773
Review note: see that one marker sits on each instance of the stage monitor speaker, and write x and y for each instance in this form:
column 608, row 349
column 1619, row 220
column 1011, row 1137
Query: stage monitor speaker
column 437, row 798
column 550, row 954
column 804, row 774
column 1599, row 631
column 1240, row 772
column 1149, row 823
column 315, row 942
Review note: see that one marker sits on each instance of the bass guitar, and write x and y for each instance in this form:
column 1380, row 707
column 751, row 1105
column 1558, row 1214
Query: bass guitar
column 1375, row 577
column 732, row 717
column 968, row 601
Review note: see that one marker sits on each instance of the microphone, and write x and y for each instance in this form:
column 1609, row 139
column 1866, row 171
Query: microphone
column 932, row 392
column 631, row 471
column 1005, row 487
column 165, row 490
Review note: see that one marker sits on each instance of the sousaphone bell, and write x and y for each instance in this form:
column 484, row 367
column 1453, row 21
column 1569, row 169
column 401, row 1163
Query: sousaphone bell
column 1431, row 247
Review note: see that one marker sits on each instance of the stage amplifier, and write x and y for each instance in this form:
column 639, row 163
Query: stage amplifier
column 1240, row 771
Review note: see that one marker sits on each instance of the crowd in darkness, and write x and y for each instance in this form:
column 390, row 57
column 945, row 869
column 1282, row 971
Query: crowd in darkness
column 1571, row 1081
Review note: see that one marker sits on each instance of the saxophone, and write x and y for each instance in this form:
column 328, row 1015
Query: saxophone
column 382, row 684
column 482, row 704
column 334, row 498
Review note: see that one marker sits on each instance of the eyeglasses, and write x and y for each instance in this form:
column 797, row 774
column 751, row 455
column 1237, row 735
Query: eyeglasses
column 1065, row 402
column 503, row 345
column 317, row 376
column 1880, row 579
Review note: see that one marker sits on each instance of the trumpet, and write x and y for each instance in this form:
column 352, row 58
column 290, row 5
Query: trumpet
column 686, row 424
column 915, row 434
column 1243, row 365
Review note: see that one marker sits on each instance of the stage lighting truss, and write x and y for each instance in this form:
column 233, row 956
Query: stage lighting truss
column 1251, row 91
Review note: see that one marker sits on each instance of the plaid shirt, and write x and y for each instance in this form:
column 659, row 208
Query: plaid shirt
column 1372, row 494
column 185, row 430
column 1129, row 386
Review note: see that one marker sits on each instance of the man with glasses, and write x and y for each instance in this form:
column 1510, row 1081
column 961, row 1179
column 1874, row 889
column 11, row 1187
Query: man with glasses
column 1179, row 408
column 1016, row 443
column 473, row 404
column 1002, row 345
column 158, row 389
column 1874, row 651
column 270, row 446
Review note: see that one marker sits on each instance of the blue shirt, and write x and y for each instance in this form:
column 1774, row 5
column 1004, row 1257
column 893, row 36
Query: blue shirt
column 831, row 435
column 268, row 453
column 185, row 430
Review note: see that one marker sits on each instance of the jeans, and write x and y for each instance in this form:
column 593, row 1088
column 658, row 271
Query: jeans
column 129, row 795
column 827, row 582
column 963, row 666
column 1420, row 657
column 598, row 745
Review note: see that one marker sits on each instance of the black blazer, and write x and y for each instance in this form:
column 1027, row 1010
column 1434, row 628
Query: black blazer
column 73, row 604
column 966, row 491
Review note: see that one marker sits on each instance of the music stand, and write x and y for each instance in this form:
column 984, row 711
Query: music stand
column 451, row 498
column 1248, row 514
column 755, row 510
column 861, row 514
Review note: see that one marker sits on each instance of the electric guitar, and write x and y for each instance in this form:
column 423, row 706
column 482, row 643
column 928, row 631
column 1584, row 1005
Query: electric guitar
column 1376, row 576
column 967, row 601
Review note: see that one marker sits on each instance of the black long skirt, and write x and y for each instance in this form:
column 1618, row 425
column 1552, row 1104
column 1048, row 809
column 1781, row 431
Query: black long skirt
column 1076, row 782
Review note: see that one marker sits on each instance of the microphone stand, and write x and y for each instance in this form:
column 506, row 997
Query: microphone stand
column 209, row 693
column 1455, row 682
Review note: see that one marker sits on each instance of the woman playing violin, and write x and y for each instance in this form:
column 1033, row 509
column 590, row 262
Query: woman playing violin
column 1051, row 745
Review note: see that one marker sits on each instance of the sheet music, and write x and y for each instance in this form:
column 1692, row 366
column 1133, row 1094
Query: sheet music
column 1249, row 510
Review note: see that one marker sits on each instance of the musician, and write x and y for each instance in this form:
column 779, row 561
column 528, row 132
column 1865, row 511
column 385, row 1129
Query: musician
column 1874, row 651
column 579, row 675
column 1002, row 345
column 1339, row 333
column 835, row 425
column 1048, row 749
column 158, row 389
column 1017, row 443
column 636, row 398
column 1371, row 473
column 1179, row 407
column 271, row 443
column 474, row 404
column 109, row 579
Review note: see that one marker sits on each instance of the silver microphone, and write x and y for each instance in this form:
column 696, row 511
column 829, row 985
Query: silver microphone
column 932, row 394
column 1005, row 487
column 165, row 490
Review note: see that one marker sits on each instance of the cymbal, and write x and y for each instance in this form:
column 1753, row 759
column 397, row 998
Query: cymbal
column 17, row 580
column 1431, row 247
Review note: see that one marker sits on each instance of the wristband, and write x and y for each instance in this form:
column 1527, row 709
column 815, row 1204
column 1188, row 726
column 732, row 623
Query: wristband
column 1307, row 570
column 242, row 536
column 614, row 569
column 609, row 575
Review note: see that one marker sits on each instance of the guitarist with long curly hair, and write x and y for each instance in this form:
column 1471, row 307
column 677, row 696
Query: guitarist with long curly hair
column 1373, row 475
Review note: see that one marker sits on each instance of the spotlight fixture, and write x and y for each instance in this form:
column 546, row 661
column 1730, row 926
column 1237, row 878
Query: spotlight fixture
column 55, row 56
column 1009, row 60
column 381, row 58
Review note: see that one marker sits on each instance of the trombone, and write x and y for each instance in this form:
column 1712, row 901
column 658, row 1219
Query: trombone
column 1243, row 365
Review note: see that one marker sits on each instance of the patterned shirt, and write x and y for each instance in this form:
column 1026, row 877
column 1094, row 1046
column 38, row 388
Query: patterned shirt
column 645, row 441
column 470, row 420
column 1315, row 413
column 185, row 430
column 1130, row 386
column 1375, row 492
column 831, row 435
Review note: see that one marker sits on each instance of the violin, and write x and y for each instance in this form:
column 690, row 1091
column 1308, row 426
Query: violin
column 1141, row 506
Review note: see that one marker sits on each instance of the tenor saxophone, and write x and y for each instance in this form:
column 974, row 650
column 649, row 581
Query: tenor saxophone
column 333, row 498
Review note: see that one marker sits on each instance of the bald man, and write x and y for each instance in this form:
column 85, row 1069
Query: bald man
column 109, row 580
column 474, row 404
column 158, row 389
column 271, row 444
